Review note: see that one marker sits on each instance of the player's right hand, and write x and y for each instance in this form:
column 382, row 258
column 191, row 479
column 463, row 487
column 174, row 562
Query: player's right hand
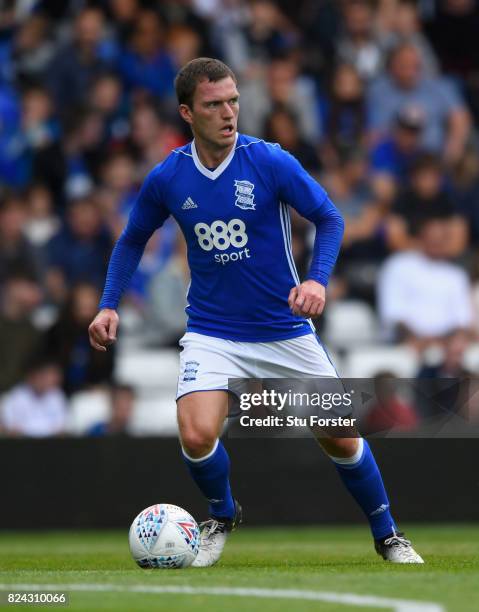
column 102, row 330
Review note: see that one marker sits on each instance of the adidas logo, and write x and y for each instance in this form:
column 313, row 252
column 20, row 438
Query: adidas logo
column 188, row 203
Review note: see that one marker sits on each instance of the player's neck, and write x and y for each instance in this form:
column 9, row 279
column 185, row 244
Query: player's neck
column 209, row 155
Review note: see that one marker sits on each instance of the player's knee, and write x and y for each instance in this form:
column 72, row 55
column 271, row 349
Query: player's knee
column 340, row 447
column 197, row 443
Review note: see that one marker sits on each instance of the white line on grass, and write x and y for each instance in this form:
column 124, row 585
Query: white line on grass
column 398, row 605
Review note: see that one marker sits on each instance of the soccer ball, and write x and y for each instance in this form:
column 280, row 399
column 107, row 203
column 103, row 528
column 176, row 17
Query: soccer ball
column 164, row 536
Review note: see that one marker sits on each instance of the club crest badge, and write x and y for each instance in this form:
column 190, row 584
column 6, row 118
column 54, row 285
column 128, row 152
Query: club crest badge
column 244, row 195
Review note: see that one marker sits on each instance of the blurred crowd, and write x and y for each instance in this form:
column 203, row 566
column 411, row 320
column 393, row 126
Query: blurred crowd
column 378, row 99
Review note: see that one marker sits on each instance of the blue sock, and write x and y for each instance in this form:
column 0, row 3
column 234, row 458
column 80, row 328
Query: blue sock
column 211, row 474
column 363, row 480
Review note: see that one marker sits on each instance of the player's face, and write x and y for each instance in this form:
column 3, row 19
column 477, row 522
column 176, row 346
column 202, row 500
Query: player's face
column 214, row 116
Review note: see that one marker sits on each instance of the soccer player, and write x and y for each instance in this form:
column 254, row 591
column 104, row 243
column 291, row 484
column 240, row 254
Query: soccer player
column 248, row 312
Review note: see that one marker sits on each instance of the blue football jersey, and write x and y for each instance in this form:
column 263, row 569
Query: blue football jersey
column 236, row 223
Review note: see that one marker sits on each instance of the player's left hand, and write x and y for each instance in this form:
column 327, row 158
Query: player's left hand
column 308, row 299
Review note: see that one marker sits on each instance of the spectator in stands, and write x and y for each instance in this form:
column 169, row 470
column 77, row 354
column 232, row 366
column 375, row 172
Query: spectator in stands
column 406, row 27
column 83, row 151
column 108, row 67
column 320, row 25
column 436, row 396
column 106, row 98
column 269, row 33
column 158, row 253
column 389, row 411
column 474, row 266
column 166, row 299
column 42, row 223
column 184, row 44
column 118, row 190
column 360, row 44
column 115, row 198
column 122, row 404
column 284, row 85
column 393, row 156
column 39, row 124
column 453, row 32
column 145, row 63
column 152, row 136
column 282, row 127
column 464, row 190
column 421, row 296
column 454, row 347
column 426, row 199
column 38, row 128
column 20, row 339
column 362, row 247
column 76, row 64
column 447, row 120
column 196, row 15
column 9, row 127
column 17, row 254
column 123, row 13
column 288, row 87
column 70, row 167
column 33, row 49
column 68, row 343
column 37, row 407
column 343, row 113
column 80, row 251
column 250, row 37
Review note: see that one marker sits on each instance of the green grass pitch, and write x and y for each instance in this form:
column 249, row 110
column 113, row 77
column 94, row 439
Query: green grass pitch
column 338, row 561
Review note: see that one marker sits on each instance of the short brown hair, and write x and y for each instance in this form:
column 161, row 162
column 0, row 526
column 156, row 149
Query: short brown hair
column 425, row 162
column 199, row 69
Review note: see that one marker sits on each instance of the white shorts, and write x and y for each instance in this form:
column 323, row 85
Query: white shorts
column 206, row 363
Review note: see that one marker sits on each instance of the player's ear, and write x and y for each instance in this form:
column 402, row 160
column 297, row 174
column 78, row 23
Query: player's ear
column 186, row 113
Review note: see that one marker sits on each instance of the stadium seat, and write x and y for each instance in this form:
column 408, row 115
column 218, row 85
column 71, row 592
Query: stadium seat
column 86, row 409
column 350, row 323
column 148, row 368
column 154, row 375
column 368, row 361
column 471, row 358
column 155, row 413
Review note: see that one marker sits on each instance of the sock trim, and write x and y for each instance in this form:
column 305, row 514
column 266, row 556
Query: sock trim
column 354, row 459
column 200, row 459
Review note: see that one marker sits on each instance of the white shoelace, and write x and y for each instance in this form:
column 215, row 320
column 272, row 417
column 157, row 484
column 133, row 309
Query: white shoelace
column 397, row 540
column 208, row 529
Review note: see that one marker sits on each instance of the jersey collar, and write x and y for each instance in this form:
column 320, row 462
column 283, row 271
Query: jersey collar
column 213, row 174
